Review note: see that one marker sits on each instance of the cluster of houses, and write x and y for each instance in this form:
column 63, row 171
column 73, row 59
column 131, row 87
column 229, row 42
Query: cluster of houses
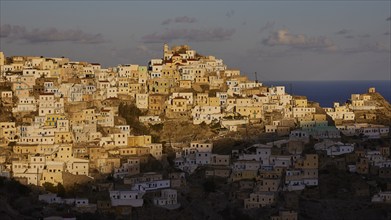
column 67, row 112
column 265, row 172
column 358, row 102
column 198, row 154
column 373, row 161
column 65, row 124
column 273, row 173
column 370, row 131
column 344, row 116
column 131, row 194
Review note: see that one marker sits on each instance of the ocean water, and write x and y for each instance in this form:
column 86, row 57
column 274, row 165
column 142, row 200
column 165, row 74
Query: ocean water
column 327, row 92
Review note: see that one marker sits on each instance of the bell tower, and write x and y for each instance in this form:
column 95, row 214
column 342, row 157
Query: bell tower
column 165, row 51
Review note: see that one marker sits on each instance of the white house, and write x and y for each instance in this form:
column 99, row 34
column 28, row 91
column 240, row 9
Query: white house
column 187, row 95
column 339, row 149
column 295, row 185
column 50, row 198
column 241, row 165
column 168, row 199
column 263, row 152
column 78, row 166
column 155, row 150
column 126, row 198
column 201, row 147
column 374, row 131
column 299, row 135
column 132, row 166
column 152, row 119
column 259, row 199
column 281, row 160
column 81, row 202
column 142, row 101
column 203, row 158
column 120, row 139
column 151, row 185
column 382, row 197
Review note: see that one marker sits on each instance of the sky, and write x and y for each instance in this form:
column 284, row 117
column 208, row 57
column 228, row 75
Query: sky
column 280, row 40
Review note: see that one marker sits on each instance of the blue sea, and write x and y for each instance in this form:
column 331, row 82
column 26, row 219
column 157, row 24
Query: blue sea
column 327, row 92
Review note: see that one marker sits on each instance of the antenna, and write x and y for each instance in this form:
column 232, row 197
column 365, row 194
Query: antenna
column 256, row 77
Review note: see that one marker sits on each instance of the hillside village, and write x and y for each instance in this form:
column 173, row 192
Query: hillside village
column 184, row 135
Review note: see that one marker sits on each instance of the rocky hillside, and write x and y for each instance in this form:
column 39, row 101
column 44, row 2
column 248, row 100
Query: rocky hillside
column 383, row 115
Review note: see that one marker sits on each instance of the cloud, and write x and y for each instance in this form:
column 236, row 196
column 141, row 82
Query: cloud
column 152, row 50
column 268, row 26
column 183, row 19
column 281, row 43
column 137, row 54
column 376, row 47
column 195, row 35
column 343, row 32
column 16, row 32
column 364, row 36
column 166, row 22
column 5, row 30
column 388, row 19
column 142, row 48
column 263, row 53
column 386, row 33
column 230, row 13
column 298, row 41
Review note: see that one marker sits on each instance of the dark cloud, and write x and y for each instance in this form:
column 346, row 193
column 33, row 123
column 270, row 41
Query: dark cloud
column 183, row 19
column 349, row 37
column 386, row 33
column 268, row 26
column 343, row 32
column 195, row 35
column 16, row 32
column 230, row 13
column 298, row 41
column 388, row 19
